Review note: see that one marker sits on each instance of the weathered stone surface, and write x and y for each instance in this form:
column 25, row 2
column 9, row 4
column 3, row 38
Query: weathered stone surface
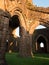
column 29, row 17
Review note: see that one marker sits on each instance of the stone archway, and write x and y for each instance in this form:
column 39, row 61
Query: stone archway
column 13, row 24
column 31, row 31
column 18, row 20
column 23, row 45
column 41, row 44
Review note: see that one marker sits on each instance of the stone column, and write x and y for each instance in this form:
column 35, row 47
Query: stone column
column 28, row 45
column 25, row 45
column 5, row 22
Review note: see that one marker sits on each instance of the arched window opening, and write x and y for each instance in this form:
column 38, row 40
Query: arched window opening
column 14, row 24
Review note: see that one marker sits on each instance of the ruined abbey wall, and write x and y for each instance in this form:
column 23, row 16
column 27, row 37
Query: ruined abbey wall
column 22, row 13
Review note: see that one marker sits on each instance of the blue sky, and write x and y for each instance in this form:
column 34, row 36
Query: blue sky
column 43, row 3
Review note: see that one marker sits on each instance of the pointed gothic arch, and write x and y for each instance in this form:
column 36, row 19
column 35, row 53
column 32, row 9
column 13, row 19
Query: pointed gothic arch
column 41, row 39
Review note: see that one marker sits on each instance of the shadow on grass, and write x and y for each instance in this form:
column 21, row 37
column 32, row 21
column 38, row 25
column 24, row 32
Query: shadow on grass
column 14, row 59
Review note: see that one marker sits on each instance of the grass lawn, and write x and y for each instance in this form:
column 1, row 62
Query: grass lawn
column 39, row 59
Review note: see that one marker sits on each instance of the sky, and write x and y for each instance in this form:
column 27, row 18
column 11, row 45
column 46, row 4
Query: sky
column 40, row 27
column 43, row 3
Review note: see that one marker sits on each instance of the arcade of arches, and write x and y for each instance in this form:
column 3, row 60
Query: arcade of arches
column 23, row 13
column 41, row 40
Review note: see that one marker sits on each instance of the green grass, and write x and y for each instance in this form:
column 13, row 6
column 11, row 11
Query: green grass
column 39, row 59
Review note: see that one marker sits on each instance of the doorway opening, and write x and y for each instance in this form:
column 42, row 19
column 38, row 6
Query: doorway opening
column 14, row 25
column 41, row 44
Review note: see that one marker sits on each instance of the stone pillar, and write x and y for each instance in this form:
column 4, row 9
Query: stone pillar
column 4, row 22
column 25, row 45
column 28, row 41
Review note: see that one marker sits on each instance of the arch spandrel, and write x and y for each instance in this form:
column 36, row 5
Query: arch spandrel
column 33, row 26
column 35, row 23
